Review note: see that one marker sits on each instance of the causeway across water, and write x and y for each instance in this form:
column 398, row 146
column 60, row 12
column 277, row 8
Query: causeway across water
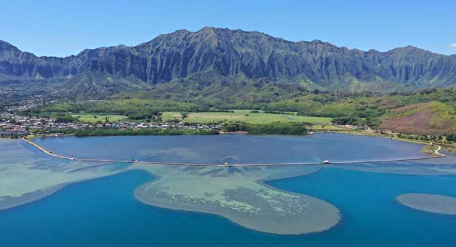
column 438, row 155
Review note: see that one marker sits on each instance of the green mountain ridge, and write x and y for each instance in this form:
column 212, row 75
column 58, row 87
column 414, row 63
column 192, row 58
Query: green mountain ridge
column 235, row 55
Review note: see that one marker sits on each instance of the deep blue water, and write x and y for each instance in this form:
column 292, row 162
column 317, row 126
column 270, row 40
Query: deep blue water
column 104, row 212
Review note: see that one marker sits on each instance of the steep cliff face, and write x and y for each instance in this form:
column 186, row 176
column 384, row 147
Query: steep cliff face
column 17, row 64
column 240, row 54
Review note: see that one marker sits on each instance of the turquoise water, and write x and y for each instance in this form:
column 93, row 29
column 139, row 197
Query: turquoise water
column 104, row 211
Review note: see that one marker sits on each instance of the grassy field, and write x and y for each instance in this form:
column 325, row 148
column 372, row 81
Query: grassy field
column 245, row 116
column 94, row 118
column 328, row 127
column 166, row 116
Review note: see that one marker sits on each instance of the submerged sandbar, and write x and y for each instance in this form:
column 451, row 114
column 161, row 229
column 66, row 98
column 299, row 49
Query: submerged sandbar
column 241, row 196
column 429, row 203
column 235, row 193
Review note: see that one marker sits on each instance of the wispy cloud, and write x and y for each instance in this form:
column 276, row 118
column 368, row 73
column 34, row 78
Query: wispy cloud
column 453, row 45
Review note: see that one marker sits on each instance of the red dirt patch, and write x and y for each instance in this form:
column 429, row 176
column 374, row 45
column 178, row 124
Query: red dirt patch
column 423, row 122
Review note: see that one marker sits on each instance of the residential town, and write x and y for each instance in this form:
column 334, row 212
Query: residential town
column 13, row 126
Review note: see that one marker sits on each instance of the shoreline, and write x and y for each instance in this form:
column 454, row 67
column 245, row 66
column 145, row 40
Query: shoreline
column 434, row 153
column 446, row 146
column 378, row 135
column 235, row 218
column 449, row 147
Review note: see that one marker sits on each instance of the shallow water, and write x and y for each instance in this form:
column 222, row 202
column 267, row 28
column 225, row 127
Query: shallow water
column 429, row 203
column 233, row 148
column 105, row 212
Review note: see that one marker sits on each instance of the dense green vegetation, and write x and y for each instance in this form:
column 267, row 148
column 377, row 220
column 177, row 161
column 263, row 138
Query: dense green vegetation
column 350, row 87
column 360, row 109
column 131, row 132
column 315, row 107
column 64, row 118
column 271, row 128
column 277, row 129
column 451, row 138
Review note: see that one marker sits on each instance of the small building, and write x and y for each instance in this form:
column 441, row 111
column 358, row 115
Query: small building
column 22, row 132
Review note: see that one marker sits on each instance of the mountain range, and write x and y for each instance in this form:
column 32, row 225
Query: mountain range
column 217, row 54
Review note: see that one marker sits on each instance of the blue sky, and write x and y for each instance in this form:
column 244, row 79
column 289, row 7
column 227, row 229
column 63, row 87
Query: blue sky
column 65, row 27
